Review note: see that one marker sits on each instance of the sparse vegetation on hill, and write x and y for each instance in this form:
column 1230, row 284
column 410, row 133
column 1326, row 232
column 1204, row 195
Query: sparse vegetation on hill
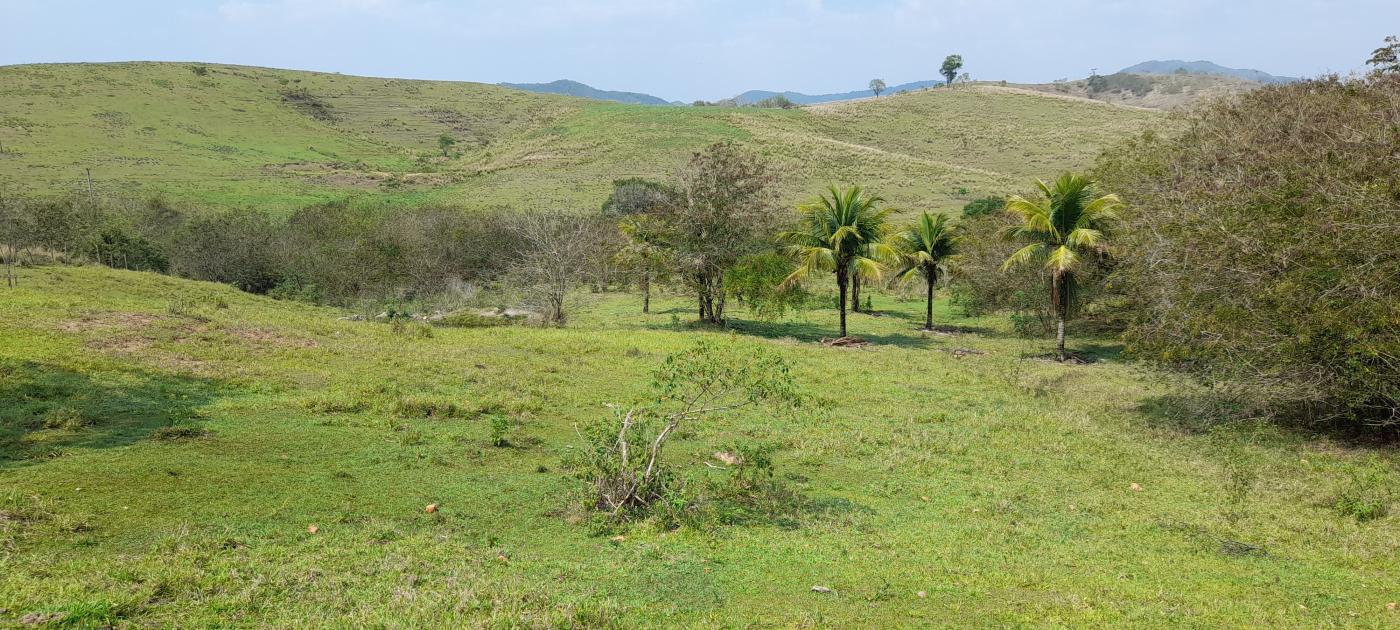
column 228, row 138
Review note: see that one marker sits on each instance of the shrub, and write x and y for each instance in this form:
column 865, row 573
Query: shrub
column 622, row 460
column 465, row 319
column 500, row 431
column 1367, row 493
column 1260, row 247
column 984, row 206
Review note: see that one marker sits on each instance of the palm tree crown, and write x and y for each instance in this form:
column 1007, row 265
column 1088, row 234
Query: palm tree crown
column 842, row 232
column 926, row 248
column 1063, row 227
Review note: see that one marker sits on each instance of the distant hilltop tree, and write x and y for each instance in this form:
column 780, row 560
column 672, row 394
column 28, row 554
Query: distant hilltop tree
column 1386, row 59
column 951, row 65
column 877, row 86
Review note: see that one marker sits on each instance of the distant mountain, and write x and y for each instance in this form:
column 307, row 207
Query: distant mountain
column 753, row 96
column 1172, row 66
column 574, row 88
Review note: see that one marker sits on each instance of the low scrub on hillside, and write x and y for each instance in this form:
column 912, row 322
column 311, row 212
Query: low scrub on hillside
column 1260, row 246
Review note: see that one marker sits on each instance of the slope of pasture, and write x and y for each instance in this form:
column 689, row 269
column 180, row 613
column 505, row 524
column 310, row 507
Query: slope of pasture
column 167, row 446
column 231, row 135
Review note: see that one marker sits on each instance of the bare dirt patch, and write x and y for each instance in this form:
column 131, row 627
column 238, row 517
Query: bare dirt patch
column 95, row 322
column 264, row 337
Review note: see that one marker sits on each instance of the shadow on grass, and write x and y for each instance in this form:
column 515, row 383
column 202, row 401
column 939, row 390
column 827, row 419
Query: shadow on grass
column 1202, row 410
column 813, row 333
column 46, row 409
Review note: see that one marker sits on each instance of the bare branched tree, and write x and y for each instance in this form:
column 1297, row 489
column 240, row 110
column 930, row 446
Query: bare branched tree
column 558, row 251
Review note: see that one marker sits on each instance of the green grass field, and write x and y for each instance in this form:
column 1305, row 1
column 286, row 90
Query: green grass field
column 231, row 137
column 167, row 444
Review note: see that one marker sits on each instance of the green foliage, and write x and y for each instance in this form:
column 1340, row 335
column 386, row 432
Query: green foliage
column 467, row 319
column 500, row 430
column 843, row 233
column 951, row 65
column 1386, row 59
column 1064, row 228
column 759, row 282
column 777, row 101
column 983, row 206
column 622, row 460
column 1368, row 491
column 1258, row 249
column 115, row 247
column 926, row 249
column 446, row 142
column 636, row 195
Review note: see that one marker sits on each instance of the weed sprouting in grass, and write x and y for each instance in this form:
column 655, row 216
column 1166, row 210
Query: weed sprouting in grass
column 66, row 418
column 1367, row 492
column 500, row 430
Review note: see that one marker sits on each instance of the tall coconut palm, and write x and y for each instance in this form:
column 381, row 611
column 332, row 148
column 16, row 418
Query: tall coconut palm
column 1063, row 226
column 926, row 248
column 842, row 232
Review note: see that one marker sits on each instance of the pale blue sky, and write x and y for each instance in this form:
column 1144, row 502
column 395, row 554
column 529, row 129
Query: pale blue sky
column 688, row 49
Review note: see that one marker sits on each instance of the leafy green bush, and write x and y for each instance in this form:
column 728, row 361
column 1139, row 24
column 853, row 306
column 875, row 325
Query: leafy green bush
column 984, row 206
column 1368, row 491
column 622, row 459
column 465, row 319
column 1260, row 247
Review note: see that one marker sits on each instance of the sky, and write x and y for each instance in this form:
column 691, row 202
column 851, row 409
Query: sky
column 693, row 49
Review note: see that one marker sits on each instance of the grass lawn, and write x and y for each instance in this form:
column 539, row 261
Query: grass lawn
column 166, row 445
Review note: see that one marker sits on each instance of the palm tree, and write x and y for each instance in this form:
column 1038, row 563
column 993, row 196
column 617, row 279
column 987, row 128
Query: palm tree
column 841, row 232
column 926, row 248
column 1063, row 227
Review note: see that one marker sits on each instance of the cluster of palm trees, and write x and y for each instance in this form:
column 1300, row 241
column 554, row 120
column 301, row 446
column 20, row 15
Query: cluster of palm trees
column 848, row 233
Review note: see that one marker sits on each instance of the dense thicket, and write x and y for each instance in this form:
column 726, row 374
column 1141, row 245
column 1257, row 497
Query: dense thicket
column 331, row 253
column 1261, row 245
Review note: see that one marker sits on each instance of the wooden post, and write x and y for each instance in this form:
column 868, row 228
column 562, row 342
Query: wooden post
column 89, row 176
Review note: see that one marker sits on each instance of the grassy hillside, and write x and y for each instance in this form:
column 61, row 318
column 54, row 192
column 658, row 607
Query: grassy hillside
column 165, row 448
column 228, row 135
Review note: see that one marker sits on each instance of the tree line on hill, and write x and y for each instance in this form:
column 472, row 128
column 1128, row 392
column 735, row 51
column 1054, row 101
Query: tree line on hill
column 1255, row 249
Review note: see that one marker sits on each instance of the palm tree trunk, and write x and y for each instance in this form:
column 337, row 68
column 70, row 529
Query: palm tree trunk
column 1061, row 303
column 855, row 293
column 841, row 302
column 1060, row 338
column 928, row 308
column 646, row 292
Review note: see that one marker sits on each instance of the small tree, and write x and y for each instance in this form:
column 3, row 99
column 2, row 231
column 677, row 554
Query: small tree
column 951, row 65
column 842, row 232
column 1386, row 59
column 446, row 142
column 623, row 455
column 1063, row 227
column 635, row 195
column 925, row 250
column 724, row 211
column 877, row 86
column 557, row 250
column 646, row 253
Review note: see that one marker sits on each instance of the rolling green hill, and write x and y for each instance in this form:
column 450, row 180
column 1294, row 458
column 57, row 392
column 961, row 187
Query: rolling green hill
column 230, row 135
